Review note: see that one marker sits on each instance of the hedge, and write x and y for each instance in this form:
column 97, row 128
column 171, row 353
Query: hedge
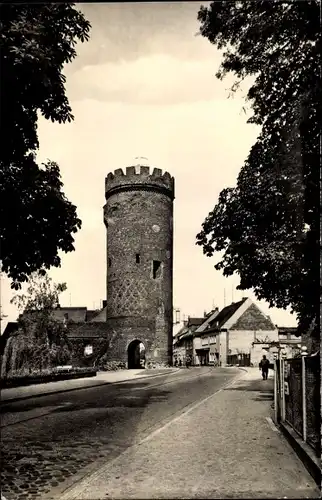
column 18, row 380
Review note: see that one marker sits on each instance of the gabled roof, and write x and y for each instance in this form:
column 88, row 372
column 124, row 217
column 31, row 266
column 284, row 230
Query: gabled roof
column 227, row 312
column 207, row 320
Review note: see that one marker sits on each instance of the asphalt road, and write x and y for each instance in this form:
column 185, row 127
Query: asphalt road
column 51, row 442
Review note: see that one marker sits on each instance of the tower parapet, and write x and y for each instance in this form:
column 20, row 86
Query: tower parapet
column 144, row 180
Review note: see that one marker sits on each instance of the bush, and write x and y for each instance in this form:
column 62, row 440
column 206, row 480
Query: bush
column 112, row 366
column 46, row 376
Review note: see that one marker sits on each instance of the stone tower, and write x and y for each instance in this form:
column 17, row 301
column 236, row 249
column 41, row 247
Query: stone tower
column 138, row 216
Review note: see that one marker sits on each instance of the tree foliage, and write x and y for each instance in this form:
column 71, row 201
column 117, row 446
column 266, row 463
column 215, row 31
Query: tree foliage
column 36, row 218
column 37, row 306
column 267, row 227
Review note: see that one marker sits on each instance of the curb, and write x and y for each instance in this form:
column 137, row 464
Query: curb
column 303, row 451
column 31, row 396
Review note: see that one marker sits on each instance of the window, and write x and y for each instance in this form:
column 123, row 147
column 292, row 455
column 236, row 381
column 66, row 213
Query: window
column 88, row 350
column 137, row 258
column 109, row 262
column 156, row 269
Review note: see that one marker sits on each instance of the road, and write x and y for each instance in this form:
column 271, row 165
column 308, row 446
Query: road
column 51, row 442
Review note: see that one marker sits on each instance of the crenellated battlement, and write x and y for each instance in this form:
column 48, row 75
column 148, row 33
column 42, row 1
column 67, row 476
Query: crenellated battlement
column 139, row 177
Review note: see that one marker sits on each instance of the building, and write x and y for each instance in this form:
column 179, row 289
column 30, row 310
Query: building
column 228, row 336
column 183, row 341
column 138, row 216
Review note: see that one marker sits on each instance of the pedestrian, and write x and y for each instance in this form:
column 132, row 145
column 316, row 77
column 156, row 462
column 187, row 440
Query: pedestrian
column 264, row 366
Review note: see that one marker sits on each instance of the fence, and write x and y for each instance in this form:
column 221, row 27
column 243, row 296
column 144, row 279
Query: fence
column 297, row 397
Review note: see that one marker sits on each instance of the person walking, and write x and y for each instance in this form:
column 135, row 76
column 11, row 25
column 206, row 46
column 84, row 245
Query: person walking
column 264, row 366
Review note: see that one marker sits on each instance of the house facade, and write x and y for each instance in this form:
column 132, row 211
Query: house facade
column 183, row 341
column 229, row 336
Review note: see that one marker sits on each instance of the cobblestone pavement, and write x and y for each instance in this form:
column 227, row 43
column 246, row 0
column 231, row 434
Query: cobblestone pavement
column 224, row 448
column 84, row 429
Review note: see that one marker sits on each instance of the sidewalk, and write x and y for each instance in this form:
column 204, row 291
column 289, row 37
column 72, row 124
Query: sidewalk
column 224, row 447
column 102, row 378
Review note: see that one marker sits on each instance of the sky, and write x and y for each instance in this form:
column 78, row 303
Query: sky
column 145, row 85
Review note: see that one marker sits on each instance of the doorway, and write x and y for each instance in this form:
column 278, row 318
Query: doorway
column 135, row 355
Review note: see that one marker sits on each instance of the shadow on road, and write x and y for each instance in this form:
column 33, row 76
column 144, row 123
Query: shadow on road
column 264, row 389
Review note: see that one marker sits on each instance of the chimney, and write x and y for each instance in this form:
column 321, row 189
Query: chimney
column 104, row 303
column 205, row 314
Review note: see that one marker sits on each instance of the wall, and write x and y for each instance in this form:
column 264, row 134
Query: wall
column 196, row 345
column 223, row 347
column 240, row 341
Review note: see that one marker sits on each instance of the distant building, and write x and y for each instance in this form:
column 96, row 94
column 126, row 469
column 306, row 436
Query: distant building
column 183, row 341
column 227, row 336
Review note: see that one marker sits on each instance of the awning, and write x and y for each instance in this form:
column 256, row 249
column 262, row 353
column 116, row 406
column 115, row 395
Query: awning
column 203, row 349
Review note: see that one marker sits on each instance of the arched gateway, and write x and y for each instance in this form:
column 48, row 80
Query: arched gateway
column 134, row 354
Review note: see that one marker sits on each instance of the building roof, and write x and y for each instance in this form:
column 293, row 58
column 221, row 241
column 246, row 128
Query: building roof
column 226, row 313
column 293, row 330
column 208, row 320
column 75, row 314
column 195, row 321
column 99, row 317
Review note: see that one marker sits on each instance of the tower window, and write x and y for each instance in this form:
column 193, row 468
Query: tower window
column 137, row 258
column 156, row 269
column 109, row 262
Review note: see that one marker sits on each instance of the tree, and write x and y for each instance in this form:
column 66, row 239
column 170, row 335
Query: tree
column 36, row 41
column 37, row 306
column 267, row 227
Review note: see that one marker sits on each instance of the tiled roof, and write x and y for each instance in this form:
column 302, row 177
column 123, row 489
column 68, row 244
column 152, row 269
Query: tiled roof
column 288, row 329
column 226, row 313
column 195, row 321
column 90, row 314
column 99, row 317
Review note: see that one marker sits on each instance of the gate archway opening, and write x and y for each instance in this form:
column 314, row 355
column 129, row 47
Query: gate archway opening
column 136, row 354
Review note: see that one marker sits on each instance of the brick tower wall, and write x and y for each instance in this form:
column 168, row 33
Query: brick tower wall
column 139, row 220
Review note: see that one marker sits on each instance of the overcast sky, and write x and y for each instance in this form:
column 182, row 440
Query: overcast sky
column 144, row 85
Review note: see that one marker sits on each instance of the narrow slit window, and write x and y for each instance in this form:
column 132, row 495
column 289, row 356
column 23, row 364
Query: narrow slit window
column 156, row 269
column 109, row 262
column 137, row 258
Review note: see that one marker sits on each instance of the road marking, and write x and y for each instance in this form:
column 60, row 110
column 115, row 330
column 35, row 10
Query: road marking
column 74, row 491
column 271, row 424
